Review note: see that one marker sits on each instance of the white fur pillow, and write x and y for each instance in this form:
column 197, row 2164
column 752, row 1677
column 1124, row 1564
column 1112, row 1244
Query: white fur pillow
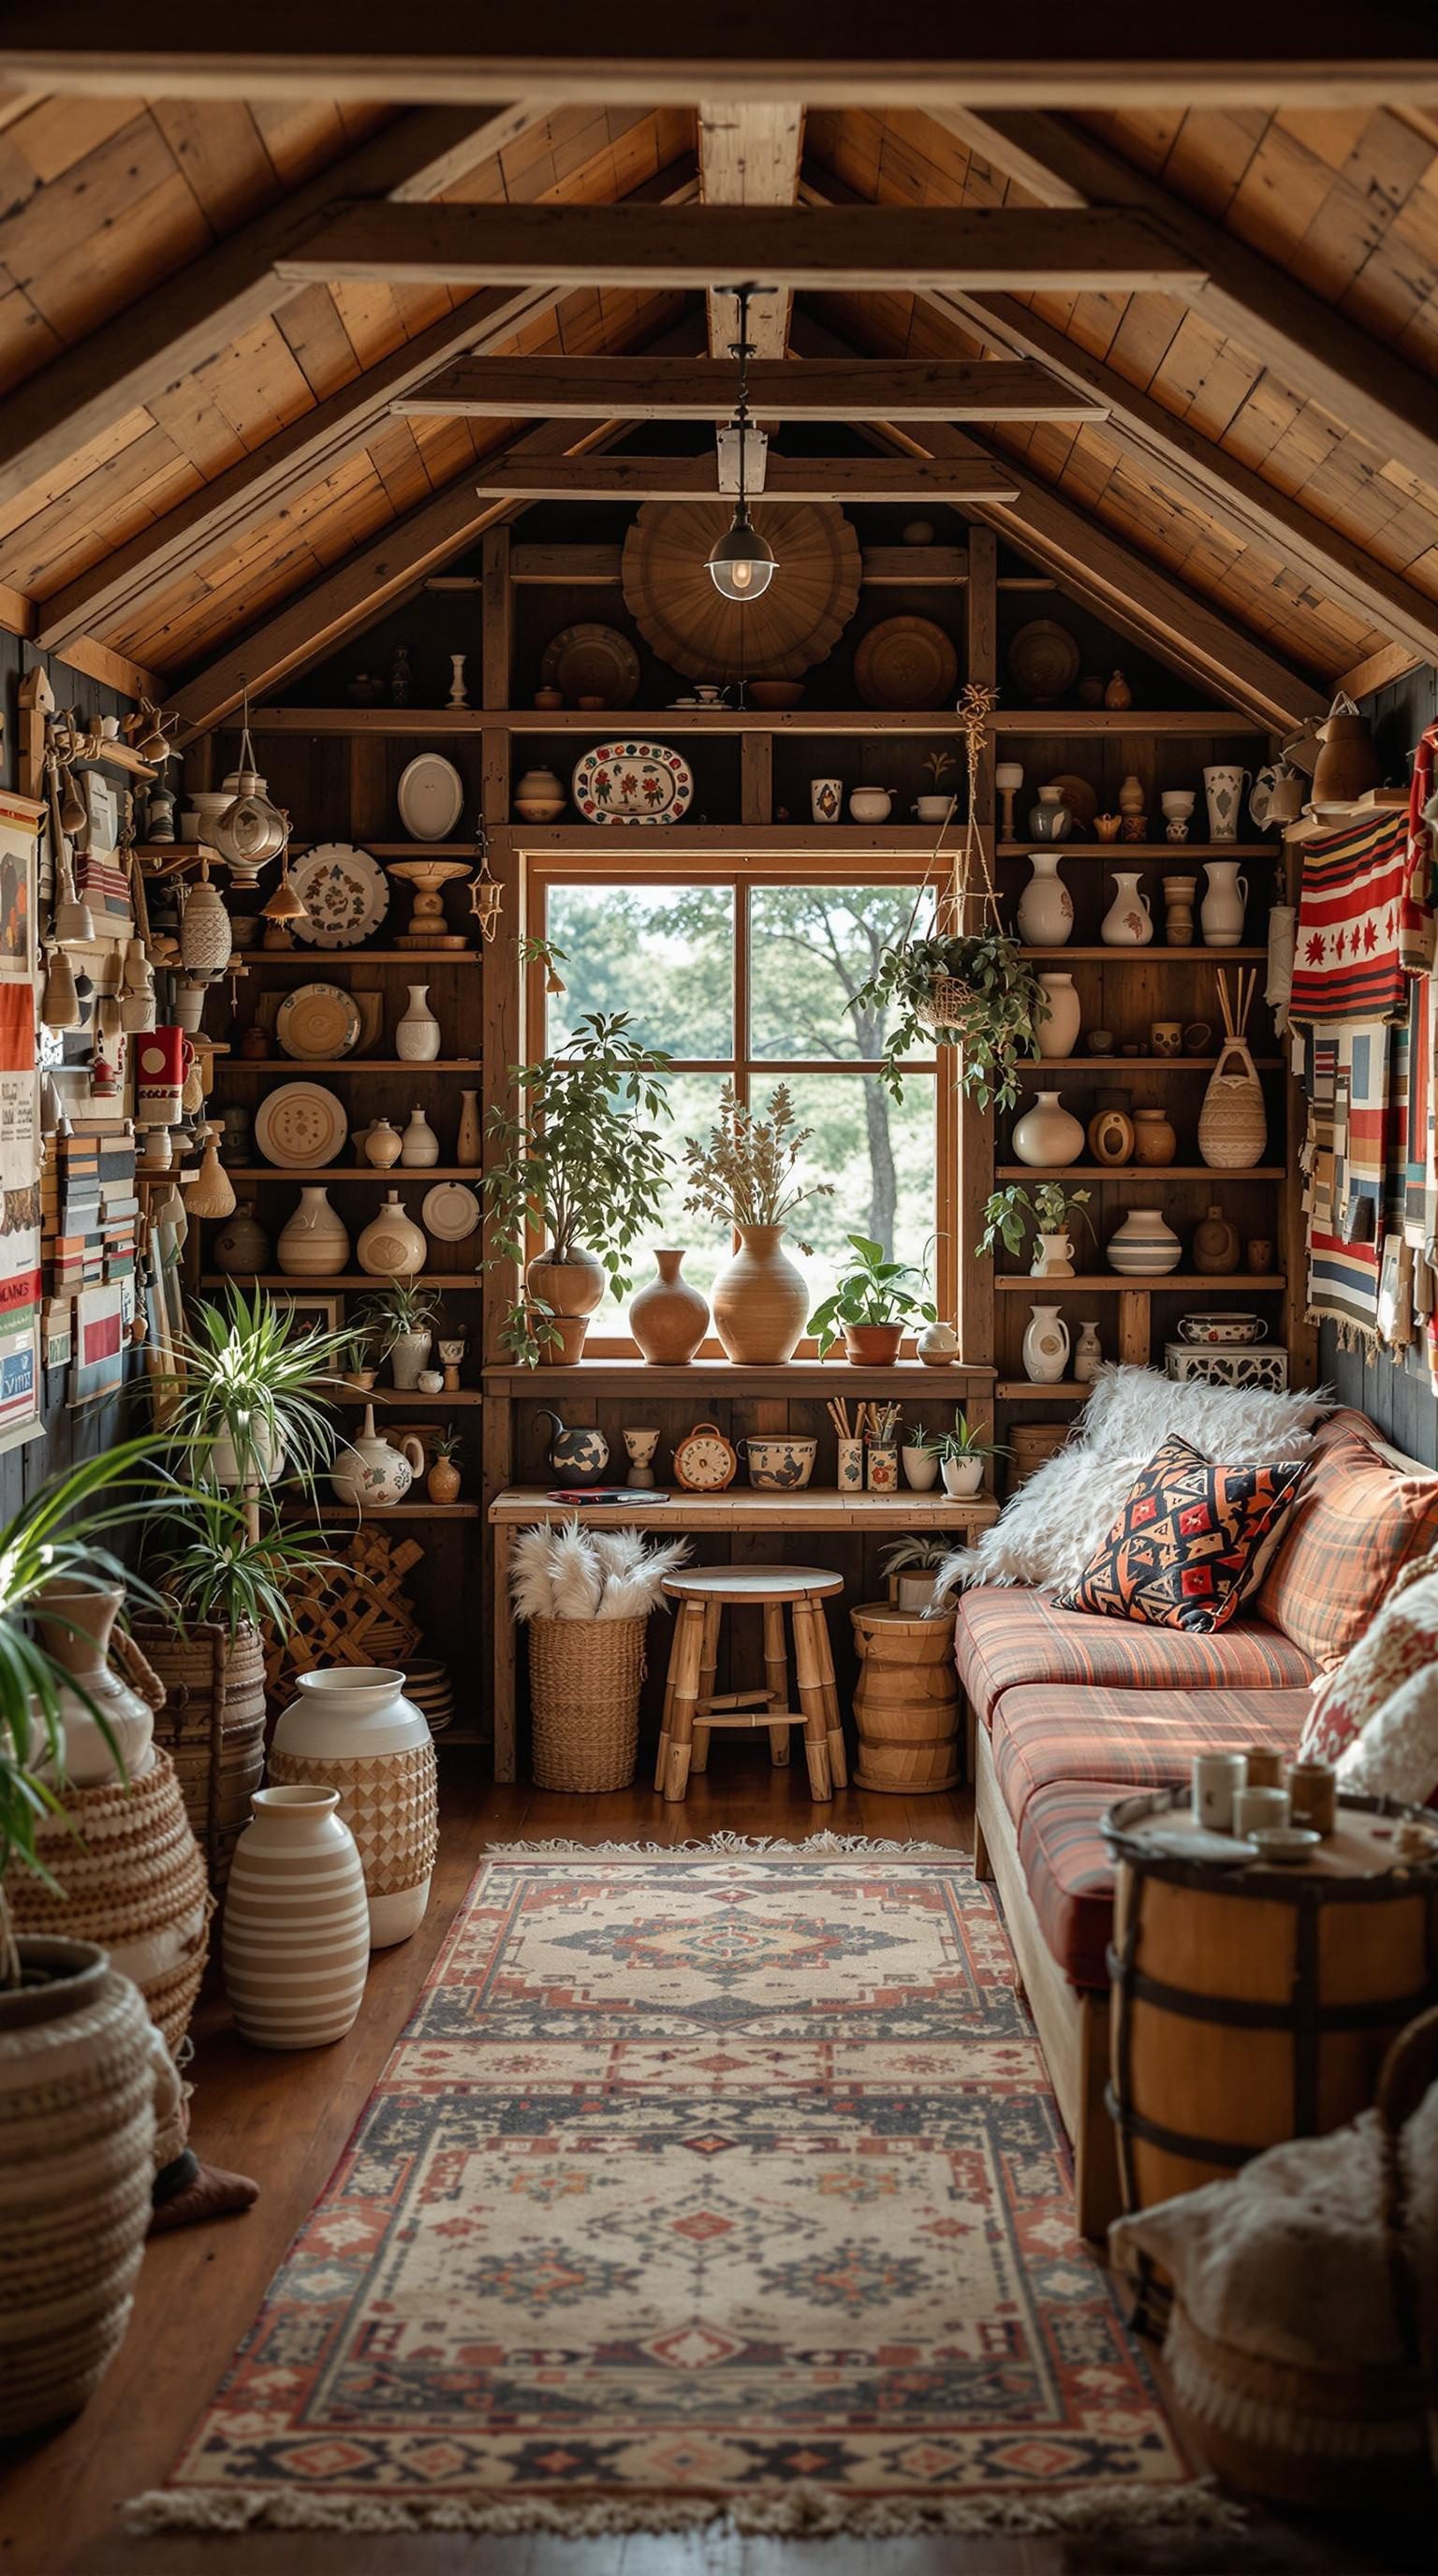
column 1056, row 1522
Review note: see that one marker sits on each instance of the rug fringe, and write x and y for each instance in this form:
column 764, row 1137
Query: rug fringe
column 826, row 1846
column 802, row 2512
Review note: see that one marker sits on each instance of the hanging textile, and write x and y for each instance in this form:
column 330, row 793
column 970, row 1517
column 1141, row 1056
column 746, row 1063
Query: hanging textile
column 1346, row 1088
column 1347, row 964
column 1416, row 916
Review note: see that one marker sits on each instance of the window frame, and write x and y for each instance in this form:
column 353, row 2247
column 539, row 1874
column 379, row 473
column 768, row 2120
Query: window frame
column 633, row 868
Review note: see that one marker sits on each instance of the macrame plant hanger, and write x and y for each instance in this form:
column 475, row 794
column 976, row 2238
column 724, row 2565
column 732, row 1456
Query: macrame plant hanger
column 969, row 880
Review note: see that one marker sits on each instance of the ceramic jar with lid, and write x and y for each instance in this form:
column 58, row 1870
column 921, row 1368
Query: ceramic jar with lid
column 351, row 1729
column 392, row 1246
column 540, row 796
column 1048, row 1137
column 1155, row 1140
column 313, row 1243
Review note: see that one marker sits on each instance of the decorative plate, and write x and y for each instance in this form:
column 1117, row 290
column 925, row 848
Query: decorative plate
column 450, row 1212
column 591, row 661
column 632, row 782
column 1080, row 798
column 301, row 1124
column 1043, row 661
column 704, row 1461
column 318, row 1020
column 345, row 894
column 906, row 662
column 430, row 797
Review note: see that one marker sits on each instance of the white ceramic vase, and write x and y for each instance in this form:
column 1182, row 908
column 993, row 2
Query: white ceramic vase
column 1048, row 1137
column 296, row 1926
column 1053, row 1257
column 1046, row 908
column 937, row 1345
column 373, row 1473
column 419, row 1146
column 1046, row 1346
column 1128, row 922
column 392, row 1246
column 313, row 1243
column 1225, row 903
column 1223, row 791
column 416, row 1039
column 921, row 1469
column 1144, row 1247
column 75, row 1620
column 352, row 1729
column 1057, row 1036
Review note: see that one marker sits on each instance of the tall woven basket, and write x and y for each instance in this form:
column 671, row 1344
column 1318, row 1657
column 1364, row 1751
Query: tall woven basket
column 585, row 1677
column 212, row 1725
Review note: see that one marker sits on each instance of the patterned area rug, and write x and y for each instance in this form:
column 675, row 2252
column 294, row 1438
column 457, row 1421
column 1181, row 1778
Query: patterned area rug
column 718, row 2180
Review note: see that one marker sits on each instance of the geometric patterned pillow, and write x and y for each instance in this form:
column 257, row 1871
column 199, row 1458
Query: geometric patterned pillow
column 1399, row 1644
column 1187, row 1541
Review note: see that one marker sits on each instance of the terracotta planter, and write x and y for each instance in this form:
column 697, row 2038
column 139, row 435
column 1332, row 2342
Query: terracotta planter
column 761, row 1301
column 872, row 1345
column 668, row 1318
column 569, row 1288
column 569, row 1348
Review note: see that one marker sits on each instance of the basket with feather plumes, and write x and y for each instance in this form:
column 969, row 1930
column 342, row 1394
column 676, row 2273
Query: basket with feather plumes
column 586, row 1596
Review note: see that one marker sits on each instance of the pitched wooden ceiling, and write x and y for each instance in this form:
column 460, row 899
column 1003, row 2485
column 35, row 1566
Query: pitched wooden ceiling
column 179, row 490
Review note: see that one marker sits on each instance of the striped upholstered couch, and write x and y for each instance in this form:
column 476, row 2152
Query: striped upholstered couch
column 1069, row 1712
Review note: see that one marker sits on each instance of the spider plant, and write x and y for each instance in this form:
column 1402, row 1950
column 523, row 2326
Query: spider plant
column 393, row 1313
column 244, row 1393
column 214, row 1570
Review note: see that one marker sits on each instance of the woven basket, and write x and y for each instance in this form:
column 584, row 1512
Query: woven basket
column 584, row 1682
column 1233, row 1124
column 389, row 1803
column 133, row 1881
column 946, row 1005
column 212, row 1724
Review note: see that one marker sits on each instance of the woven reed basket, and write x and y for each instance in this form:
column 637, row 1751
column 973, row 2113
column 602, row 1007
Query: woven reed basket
column 388, row 1803
column 585, row 1677
column 213, row 1725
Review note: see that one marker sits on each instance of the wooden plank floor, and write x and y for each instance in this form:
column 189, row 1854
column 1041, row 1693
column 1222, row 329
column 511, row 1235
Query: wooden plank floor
column 286, row 2120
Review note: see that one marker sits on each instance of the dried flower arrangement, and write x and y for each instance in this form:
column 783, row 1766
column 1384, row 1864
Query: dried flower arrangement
column 571, row 1572
column 746, row 1174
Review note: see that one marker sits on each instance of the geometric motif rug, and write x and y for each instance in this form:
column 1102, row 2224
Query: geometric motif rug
column 720, row 2180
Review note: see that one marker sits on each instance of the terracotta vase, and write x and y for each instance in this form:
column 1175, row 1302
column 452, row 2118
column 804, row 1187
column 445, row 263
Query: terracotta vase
column 392, row 1246
column 352, row 1729
column 761, row 1301
column 444, row 1481
column 668, row 1318
column 296, row 1938
column 1155, row 1138
column 313, row 1244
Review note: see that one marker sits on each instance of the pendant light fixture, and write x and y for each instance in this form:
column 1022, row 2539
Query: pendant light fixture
column 250, row 830
column 742, row 564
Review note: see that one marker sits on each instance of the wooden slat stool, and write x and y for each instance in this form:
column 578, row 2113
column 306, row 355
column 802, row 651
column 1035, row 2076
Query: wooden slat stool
column 692, row 1709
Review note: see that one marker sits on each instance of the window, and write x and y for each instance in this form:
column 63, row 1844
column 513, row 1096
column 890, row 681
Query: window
column 751, row 978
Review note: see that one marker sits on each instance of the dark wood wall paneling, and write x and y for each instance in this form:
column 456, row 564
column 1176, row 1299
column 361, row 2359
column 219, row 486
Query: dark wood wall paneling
column 81, row 1433
column 1398, row 1395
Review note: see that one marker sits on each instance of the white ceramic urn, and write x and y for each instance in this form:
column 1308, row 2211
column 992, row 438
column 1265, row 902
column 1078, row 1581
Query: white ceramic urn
column 296, row 1925
column 416, row 1037
column 350, row 1728
column 1046, row 1346
column 1048, row 1137
column 1046, row 908
column 1057, row 1035
column 313, row 1243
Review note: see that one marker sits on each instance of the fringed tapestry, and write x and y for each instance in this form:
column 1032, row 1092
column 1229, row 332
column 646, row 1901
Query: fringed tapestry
column 1347, row 960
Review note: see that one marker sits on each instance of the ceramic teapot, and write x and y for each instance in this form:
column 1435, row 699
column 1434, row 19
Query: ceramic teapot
column 577, row 1457
column 374, row 1471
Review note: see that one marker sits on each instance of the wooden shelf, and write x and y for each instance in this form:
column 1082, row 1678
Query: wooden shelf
column 660, row 842
column 391, row 1511
column 395, row 1398
column 1155, row 954
column 817, row 1508
column 1175, row 852
column 300, row 1065
column 315, row 958
column 355, row 1172
column 467, row 1280
column 711, row 1378
column 1120, row 720
column 1148, row 1172
column 649, row 720
column 1018, row 1390
column 1062, row 1064
column 1022, row 1283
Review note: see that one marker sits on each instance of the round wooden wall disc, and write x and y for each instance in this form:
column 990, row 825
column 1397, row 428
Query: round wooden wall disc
column 704, row 636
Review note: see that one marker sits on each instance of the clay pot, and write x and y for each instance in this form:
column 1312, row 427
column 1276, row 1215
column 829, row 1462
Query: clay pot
column 351, row 1729
column 667, row 1317
column 1347, row 766
column 761, row 1301
column 313, row 1244
column 872, row 1345
column 571, row 1290
column 443, row 1482
column 1155, row 1139
column 1215, row 1243
column 242, row 1246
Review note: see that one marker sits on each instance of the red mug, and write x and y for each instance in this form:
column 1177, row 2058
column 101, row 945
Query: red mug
column 163, row 1057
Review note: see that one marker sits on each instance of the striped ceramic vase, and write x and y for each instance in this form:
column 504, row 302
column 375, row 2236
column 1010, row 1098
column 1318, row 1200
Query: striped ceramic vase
column 296, row 1934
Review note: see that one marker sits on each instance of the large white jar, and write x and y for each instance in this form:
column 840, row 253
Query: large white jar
column 352, row 1729
column 1048, row 1137
column 296, row 1936
column 392, row 1246
column 1046, row 908
column 313, row 1244
column 1057, row 1036
column 416, row 1039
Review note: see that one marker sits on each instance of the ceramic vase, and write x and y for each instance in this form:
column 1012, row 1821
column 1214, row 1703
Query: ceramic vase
column 373, row 1474
column 76, row 1621
column 352, row 1730
column 1224, row 904
column 760, row 1301
column 1131, row 795
column 1215, row 1243
column 1046, row 908
column 1155, row 1139
column 668, row 1318
column 1233, row 1123
column 419, row 1146
column 1088, row 1354
column 1128, row 922
column 937, row 1345
column 408, row 1354
column 469, row 1143
column 1057, row 1036
column 1046, row 1346
column 313, row 1243
column 1050, row 819
column 242, row 1246
column 921, row 1468
column 1053, row 1257
column 211, row 1194
column 1048, row 1137
column 416, row 1039
column 1144, row 1247
column 77, row 2133
column 444, row 1483
column 1223, row 791
column 1111, row 1136
column 392, row 1246
column 296, row 1936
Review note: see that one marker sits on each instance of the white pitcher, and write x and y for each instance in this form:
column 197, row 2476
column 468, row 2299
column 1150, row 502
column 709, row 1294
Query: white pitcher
column 1225, row 903
column 1128, row 922
column 1223, row 787
column 1046, row 1346
column 1046, row 908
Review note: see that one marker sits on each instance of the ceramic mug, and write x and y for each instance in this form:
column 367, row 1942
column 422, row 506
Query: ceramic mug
column 163, row 1057
column 826, row 799
column 1165, row 1037
column 1218, row 1780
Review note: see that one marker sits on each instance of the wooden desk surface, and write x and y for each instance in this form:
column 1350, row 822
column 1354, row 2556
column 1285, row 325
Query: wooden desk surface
column 815, row 1508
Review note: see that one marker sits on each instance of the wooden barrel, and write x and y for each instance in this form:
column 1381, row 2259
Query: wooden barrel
column 906, row 1705
column 1254, row 2004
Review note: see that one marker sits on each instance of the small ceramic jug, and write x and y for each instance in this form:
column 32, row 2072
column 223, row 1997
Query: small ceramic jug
column 1047, row 1343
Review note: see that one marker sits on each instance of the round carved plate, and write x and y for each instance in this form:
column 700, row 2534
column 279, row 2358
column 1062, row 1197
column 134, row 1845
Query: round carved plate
column 1043, row 661
column 906, row 662
column 632, row 782
column 450, row 1212
column 591, row 661
column 703, row 636
column 302, row 1125
column 345, row 894
column 318, row 1021
column 1080, row 798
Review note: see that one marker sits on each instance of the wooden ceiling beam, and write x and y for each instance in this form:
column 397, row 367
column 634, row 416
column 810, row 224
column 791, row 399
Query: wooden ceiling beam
column 1313, row 349
column 783, row 389
column 307, row 449
column 1296, row 53
column 788, row 478
column 191, row 316
column 854, row 249
column 749, row 153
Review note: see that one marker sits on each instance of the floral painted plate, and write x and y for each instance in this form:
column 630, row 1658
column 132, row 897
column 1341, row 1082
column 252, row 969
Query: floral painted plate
column 632, row 782
column 345, row 894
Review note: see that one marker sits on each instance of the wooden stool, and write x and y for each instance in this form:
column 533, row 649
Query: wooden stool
column 691, row 1708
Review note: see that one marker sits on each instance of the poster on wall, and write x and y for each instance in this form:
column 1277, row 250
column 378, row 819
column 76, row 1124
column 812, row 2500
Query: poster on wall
column 20, row 1141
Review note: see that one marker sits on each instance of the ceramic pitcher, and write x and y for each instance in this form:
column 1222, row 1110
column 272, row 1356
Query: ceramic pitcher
column 1128, row 922
column 1223, row 787
column 1225, row 903
column 1046, row 1346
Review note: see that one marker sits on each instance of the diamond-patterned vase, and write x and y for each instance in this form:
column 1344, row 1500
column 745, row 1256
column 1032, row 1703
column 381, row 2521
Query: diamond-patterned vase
column 352, row 1729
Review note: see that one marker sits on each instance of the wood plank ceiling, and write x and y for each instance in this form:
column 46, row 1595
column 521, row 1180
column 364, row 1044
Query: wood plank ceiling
column 205, row 440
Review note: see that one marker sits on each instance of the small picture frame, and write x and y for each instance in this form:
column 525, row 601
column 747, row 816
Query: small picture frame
column 312, row 1313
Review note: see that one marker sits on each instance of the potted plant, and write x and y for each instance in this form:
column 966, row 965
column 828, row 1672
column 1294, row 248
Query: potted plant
column 871, row 1306
column 578, row 1160
column 963, row 1457
column 920, row 1458
column 357, row 1360
column 242, row 1397
column 444, row 1479
column 911, row 1566
column 1049, row 1210
column 973, row 990
column 398, row 1323
column 746, row 1177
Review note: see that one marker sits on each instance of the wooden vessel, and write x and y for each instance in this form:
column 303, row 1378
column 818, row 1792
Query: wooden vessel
column 906, row 1703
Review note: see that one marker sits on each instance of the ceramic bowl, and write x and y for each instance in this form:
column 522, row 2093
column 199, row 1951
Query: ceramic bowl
column 1284, row 1843
column 775, row 693
column 780, row 1465
column 934, row 809
column 870, row 804
column 1218, row 1332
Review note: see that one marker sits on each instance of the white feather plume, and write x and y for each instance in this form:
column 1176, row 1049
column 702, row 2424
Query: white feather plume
column 531, row 1575
column 620, row 1552
column 578, row 1577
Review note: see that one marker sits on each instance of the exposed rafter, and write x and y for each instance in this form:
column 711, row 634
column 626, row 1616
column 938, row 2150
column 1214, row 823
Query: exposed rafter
column 749, row 154
column 788, row 478
column 793, row 389
column 859, row 249
column 1315, row 349
column 213, row 301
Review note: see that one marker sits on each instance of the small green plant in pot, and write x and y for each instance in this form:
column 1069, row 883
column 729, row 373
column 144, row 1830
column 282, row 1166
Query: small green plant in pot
column 1049, row 1209
column 919, row 1458
column 246, row 1398
column 974, row 991
column 911, row 1565
column 963, row 1457
column 398, row 1324
column 872, row 1307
